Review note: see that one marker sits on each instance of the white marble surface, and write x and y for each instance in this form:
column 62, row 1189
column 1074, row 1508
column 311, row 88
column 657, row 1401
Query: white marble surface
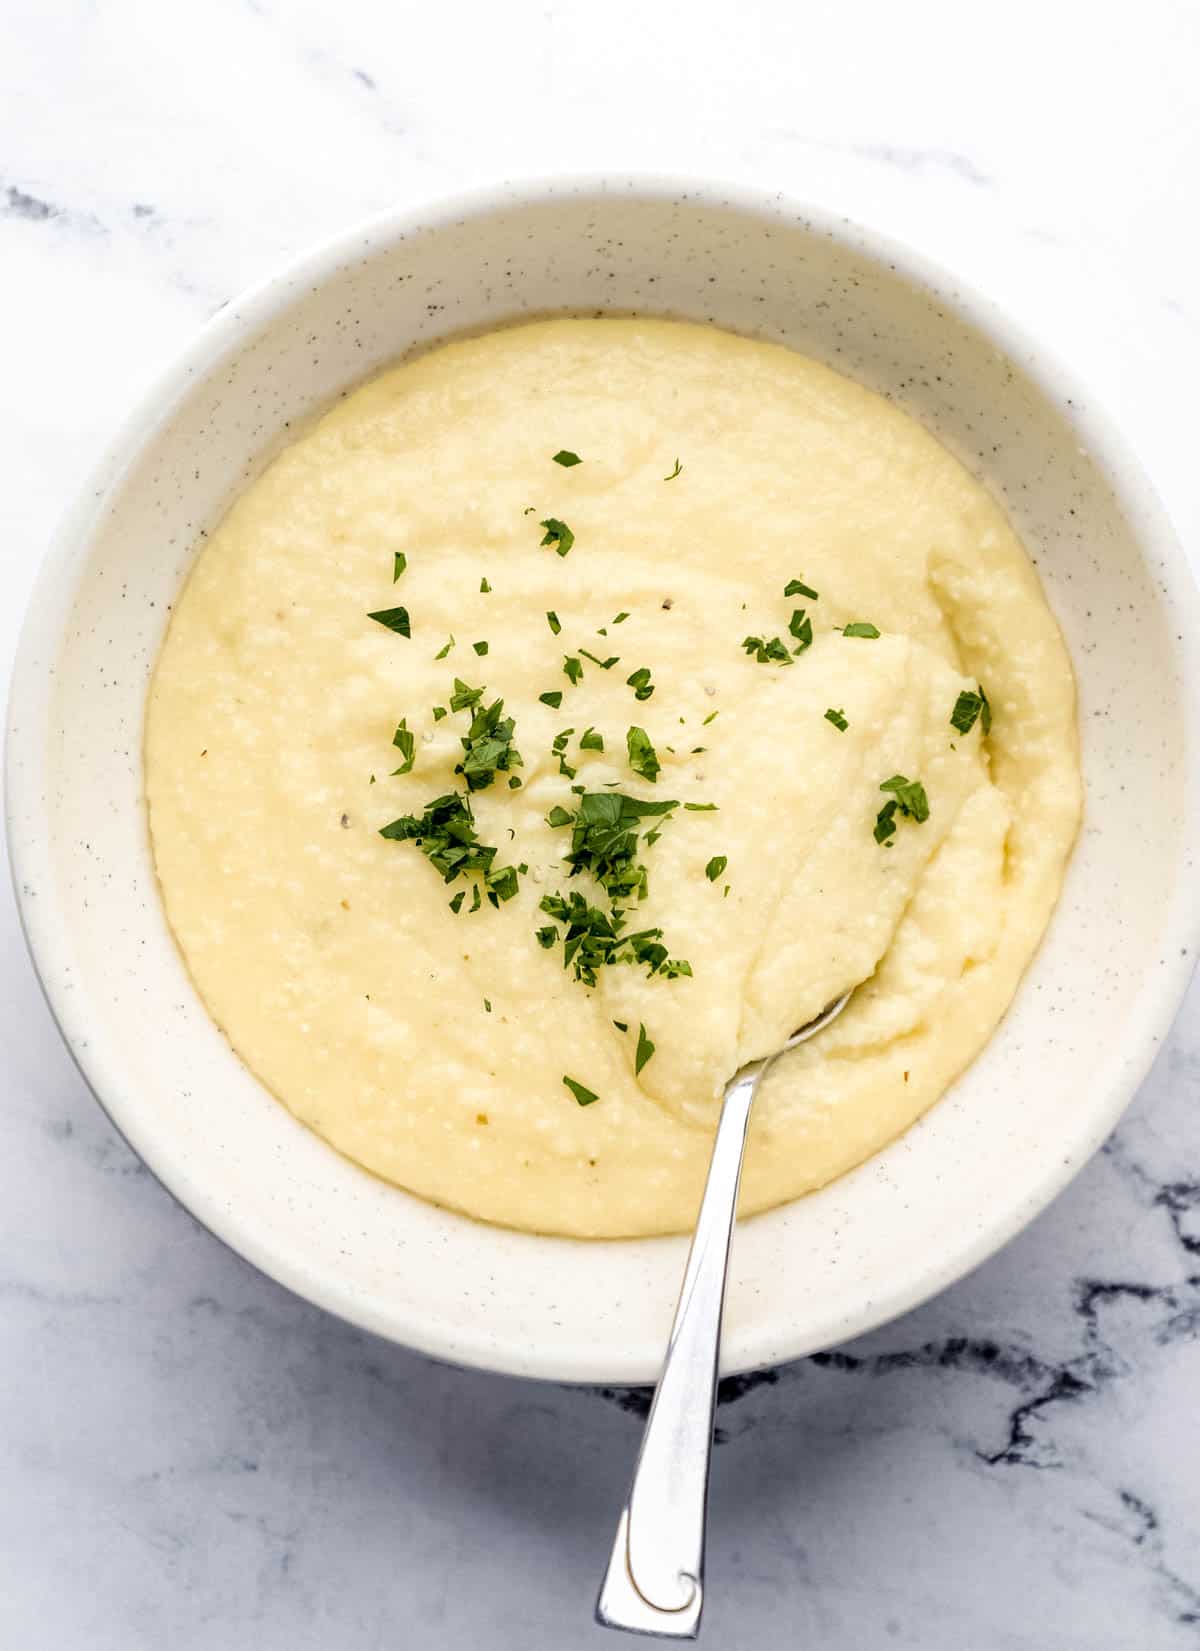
column 191, row 1458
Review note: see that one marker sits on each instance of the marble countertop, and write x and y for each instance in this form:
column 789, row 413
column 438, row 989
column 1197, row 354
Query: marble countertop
column 189, row 1457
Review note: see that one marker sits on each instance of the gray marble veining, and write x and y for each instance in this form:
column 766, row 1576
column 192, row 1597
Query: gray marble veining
column 189, row 1456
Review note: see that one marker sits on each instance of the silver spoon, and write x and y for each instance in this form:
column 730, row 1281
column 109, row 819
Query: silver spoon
column 655, row 1578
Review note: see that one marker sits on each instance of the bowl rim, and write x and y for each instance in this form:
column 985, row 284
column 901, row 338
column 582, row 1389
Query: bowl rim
column 27, row 807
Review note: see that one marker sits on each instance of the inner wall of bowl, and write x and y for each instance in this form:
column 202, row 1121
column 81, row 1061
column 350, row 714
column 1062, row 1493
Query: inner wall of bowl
column 804, row 1276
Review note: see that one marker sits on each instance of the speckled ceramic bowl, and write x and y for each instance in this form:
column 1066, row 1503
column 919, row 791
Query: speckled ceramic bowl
column 1089, row 1016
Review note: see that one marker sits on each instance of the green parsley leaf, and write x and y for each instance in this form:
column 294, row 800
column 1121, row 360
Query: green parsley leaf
column 644, row 1051
column 546, row 935
column 767, row 653
column 394, row 619
column 480, row 648
column 445, row 650
column 552, row 621
column 399, row 563
column 860, row 627
column 604, row 664
column 572, row 668
column 514, row 783
column 885, row 823
column 456, row 902
column 801, row 628
column 621, row 1025
column 620, row 619
column 406, row 744
column 674, row 473
column 558, row 534
column 797, row 587
column 716, row 866
column 910, row 794
column 590, row 740
column 838, row 719
column 463, row 697
column 559, row 816
column 709, row 718
column 642, row 756
column 700, row 808
column 566, row 459
column 582, row 1094
column 640, row 683
column 484, row 588
column 967, row 708
column 439, row 711
column 553, row 698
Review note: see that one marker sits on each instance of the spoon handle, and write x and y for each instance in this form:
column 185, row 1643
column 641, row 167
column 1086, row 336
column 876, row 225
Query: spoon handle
column 655, row 1578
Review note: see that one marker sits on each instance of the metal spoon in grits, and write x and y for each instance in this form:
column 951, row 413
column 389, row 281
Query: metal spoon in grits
column 655, row 1578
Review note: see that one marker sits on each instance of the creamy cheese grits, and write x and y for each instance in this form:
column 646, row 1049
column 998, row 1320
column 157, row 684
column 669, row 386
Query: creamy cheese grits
column 574, row 712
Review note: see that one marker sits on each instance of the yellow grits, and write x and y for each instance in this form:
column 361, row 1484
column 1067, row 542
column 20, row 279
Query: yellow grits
column 430, row 1045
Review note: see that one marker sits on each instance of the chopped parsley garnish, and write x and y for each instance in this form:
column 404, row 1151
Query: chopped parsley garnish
column 642, row 756
column 553, row 698
column 557, row 534
column 464, row 698
column 908, row 799
column 910, row 795
column 621, row 1025
column 590, row 740
column 553, row 621
column 644, row 1051
column 559, row 816
column 566, row 458
column 441, row 654
column 709, row 718
column 767, row 653
column 514, row 784
column 593, row 939
column 487, row 1005
column 604, row 664
column 640, row 683
column 456, row 903
column 860, row 627
column 967, row 708
column 399, row 563
column 581, row 1092
column 546, row 935
column 604, row 840
column 716, row 866
column 445, row 834
column 838, row 719
column 488, row 747
column 395, row 619
column 439, row 711
column 800, row 627
column 480, row 648
column 558, row 748
column 572, row 668
column 620, row 619
column 700, row 808
column 797, row 587
column 674, row 473
column 484, row 588
column 406, row 744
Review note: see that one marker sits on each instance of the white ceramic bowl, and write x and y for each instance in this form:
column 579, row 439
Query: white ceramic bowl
column 1089, row 1016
